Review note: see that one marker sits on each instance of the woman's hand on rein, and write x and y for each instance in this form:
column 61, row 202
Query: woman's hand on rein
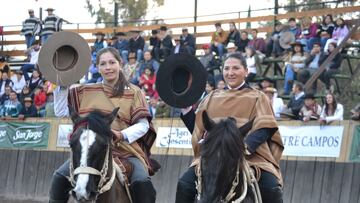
column 118, row 136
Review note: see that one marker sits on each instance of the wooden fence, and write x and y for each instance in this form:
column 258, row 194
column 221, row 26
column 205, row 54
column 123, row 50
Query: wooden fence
column 148, row 28
column 25, row 174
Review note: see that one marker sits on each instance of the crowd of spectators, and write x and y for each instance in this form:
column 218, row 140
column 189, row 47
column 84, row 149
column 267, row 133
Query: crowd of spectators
column 303, row 45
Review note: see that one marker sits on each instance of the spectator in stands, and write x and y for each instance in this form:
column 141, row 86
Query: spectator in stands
column 340, row 32
column 234, row 35
column 326, row 30
column 93, row 70
column 49, row 106
column 50, row 87
column 244, row 40
column 218, row 40
column 154, row 41
column 123, row 46
column 163, row 50
column 132, row 70
column 179, row 47
column 35, row 80
column 355, row 113
column 253, row 64
column 28, row 109
column 308, row 33
column 33, row 52
column 51, row 24
column 210, row 86
column 18, row 81
column 6, row 95
column 11, row 107
column 296, row 102
column 136, row 44
column 293, row 28
column 100, row 41
column 230, row 49
column 312, row 64
column 311, row 109
column 273, row 46
column 162, row 110
column 147, row 82
column 113, row 42
column 188, row 41
column 149, row 62
column 258, row 43
column 276, row 102
column 153, row 102
column 25, row 93
column 332, row 110
column 31, row 28
column 266, row 82
column 5, row 81
column 40, row 98
column 293, row 64
column 207, row 60
column 332, row 68
column 221, row 84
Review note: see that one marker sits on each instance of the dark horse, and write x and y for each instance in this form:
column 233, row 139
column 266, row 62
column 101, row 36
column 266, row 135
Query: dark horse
column 92, row 169
column 221, row 174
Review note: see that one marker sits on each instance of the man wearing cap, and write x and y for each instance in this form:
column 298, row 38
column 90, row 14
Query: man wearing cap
column 31, row 28
column 263, row 143
column 188, row 41
column 100, row 41
column 163, row 50
column 28, row 109
column 52, row 24
column 231, row 48
column 311, row 109
column 122, row 46
column 218, row 40
column 136, row 44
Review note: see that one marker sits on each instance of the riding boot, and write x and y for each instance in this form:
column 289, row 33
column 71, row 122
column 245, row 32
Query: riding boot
column 60, row 185
column 143, row 192
column 272, row 195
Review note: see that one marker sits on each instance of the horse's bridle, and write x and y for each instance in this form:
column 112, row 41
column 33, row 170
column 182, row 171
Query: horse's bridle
column 104, row 185
column 248, row 177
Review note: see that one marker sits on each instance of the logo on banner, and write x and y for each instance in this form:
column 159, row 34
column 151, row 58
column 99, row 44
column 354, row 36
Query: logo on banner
column 27, row 134
column 173, row 137
column 313, row 141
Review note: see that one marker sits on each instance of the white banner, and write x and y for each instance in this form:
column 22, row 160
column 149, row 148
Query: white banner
column 314, row 141
column 63, row 132
column 173, row 137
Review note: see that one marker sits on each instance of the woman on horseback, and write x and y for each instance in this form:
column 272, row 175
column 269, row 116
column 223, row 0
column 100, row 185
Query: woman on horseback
column 132, row 128
column 263, row 143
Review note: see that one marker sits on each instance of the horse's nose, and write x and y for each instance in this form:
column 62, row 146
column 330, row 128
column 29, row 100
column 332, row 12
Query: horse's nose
column 92, row 195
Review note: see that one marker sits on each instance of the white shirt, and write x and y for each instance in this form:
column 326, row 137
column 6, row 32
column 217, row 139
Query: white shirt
column 277, row 105
column 251, row 65
column 338, row 114
column 34, row 56
column 60, row 102
column 18, row 85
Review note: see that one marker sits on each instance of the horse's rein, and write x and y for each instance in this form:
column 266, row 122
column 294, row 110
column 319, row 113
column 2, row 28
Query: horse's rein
column 102, row 187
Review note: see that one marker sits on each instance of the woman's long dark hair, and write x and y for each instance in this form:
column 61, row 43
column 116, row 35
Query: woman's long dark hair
column 334, row 104
column 331, row 18
column 119, row 87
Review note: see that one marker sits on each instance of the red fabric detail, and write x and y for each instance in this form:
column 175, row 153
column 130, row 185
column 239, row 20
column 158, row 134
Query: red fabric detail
column 40, row 99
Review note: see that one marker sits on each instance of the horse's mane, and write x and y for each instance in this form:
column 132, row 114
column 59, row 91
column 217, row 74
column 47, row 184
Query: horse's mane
column 221, row 153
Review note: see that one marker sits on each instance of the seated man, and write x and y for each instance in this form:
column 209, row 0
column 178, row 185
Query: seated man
column 311, row 109
column 218, row 40
column 136, row 44
column 123, row 46
column 258, row 43
column 163, row 50
column 188, row 41
column 11, row 107
column 28, row 109
column 296, row 102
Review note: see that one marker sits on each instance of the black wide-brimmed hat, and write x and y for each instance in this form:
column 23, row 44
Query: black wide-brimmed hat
column 181, row 80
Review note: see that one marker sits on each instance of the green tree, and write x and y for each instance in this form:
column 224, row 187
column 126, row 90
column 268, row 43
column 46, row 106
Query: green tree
column 130, row 11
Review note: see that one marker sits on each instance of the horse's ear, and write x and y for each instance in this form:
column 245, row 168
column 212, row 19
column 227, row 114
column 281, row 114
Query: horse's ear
column 73, row 114
column 246, row 127
column 207, row 122
column 113, row 114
